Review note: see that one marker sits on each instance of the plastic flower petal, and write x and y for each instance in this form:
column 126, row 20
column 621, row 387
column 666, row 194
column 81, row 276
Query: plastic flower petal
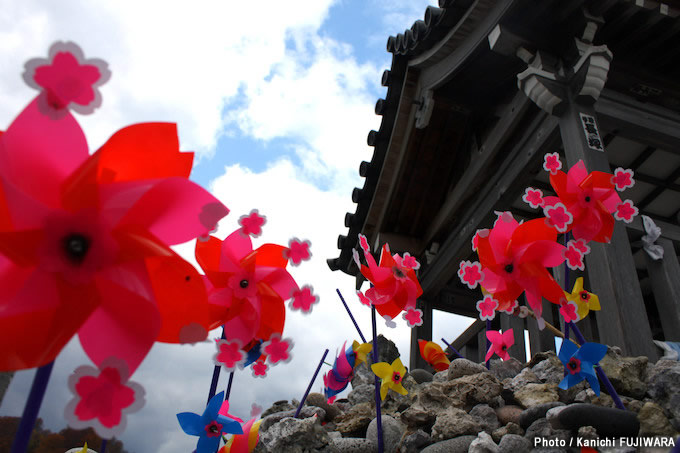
column 363, row 243
column 533, row 197
column 470, row 273
column 433, row 354
column 510, row 308
column 487, row 308
column 391, row 376
column 298, row 251
column 278, row 349
column 552, row 163
column 66, row 79
column 260, row 369
column 573, row 256
column 579, row 363
column 389, row 322
column 558, row 216
column 246, row 442
column 623, row 179
column 209, row 426
column 252, row 223
column 103, row 398
column 413, row 317
column 229, row 354
column 304, row 299
column 569, row 311
column 364, row 299
column 361, row 350
column 626, row 211
column 410, row 262
column 483, row 233
column 500, row 343
column 584, row 300
column 580, row 245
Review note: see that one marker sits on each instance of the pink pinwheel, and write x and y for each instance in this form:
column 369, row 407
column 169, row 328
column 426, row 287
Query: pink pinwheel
column 84, row 239
column 479, row 234
column 500, row 343
column 514, row 258
column 413, row 317
column 395, row 287
column 590, row 199
column 247, row 288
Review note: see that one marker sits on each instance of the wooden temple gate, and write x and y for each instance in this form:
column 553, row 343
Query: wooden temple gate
column 477, row 94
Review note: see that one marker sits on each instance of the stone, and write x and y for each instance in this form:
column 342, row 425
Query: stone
column 507, row 414
column 608, row 422
column 526, row 376
column 343, row 404
column 588, row 433
column 417, row 417
column 453, row 423
column 464, row 367
column 392, row 431
column 319, row 400
column 528, row 416
column 542, row 429
column 535, row 394
column 539, row 357
column 653, row 421
column 279, row 406
column 552, row 415
column 305, row 412
column 297, row 436
column 460, row 444
column 364, row 393
column 421, row 375
column 510, row 428
column 663, row 385
column 588, row 396
column 441, row 376
column 354, row 445
column 505, row 369
column 513, row 443
column 486, row 417
column 362, row 376
column 469, row 390
column 550, row 370
column 415, row 442
column 568, row 395
column 483, row 444
column 354, row 422
column 627, row 374
column 395, row 402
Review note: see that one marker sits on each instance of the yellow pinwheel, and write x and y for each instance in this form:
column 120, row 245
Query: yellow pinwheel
column 584, row 300
column 391, row 376
column 361, row 350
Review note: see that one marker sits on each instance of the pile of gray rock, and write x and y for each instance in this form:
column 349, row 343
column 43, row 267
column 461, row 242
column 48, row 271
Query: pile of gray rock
column 512, row 407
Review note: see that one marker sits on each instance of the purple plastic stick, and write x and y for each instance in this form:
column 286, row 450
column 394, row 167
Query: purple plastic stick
column 35, row 397
column 309, row 387
column 231, row 379
column 452, row 349
column 350, row 315
column 566, row 285
column 603, row 377
column 216, row 376
column 378, row 408
column 488, row 342
column 102, row 449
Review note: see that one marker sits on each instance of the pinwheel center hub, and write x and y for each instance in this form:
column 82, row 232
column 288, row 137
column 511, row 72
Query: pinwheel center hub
column 398, row 272
column 574, row 365
column 584, row 295
column 76, row 246
column 504, row 348
column 244, row 283
column 396, row 377
column 509, row 268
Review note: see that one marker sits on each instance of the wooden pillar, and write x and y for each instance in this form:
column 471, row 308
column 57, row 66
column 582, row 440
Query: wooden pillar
column 423, row 332
column 541, row 340
column 5, row 380
column 665, row 278
column 515, row 323
column 481, row 346
column 623, row 321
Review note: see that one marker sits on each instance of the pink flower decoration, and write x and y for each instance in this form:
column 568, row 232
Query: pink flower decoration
column 569, row 311
column 573, row 257
column 364, row 299
column 410, row 262
column 229, row 354
column 66, row 79
column 533, row 197
column 260, row 369
column 552, row 163
column 103, row 398
column 500, row 343
column 470, row 273
column 580, row 245
column 626, row 211
column 558, row 216
column 278, row 349
column 479, row 234
column 251, row 224
column 298, row 251
column 363, row 242
column 389, row 322
column 487, row 308
column 255, row 410
column 303, row 299
column 623, row 179
column 356, row 258
column 413, row 317
column 510, row 309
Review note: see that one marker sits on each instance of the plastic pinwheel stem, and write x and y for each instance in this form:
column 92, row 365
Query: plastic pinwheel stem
column 566, row 285
column 102, row 449
column 378, row 409
column 600, row 374
column 30, row 415
column 231, row 379
column 363, row 339
column 452, row 348
column 309, row 387
column 216, row 376
column 488, row 342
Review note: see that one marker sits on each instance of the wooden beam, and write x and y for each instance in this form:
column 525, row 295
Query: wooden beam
column 423, row 332
column 665, row 278
column 539, row 135
column 469, row 333
column 398, row 242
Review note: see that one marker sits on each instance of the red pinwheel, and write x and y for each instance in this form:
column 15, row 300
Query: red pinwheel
column 500, row 343
column 514, row 258
column 395, row 285
column 433, row 354
column 84, row 239
column 586, row 201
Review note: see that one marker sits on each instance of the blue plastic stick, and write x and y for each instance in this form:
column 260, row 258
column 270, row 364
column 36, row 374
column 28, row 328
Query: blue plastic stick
column 30, row 415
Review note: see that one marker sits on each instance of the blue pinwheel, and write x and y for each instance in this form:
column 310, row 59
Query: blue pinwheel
column 579, row 363
column 209, row 426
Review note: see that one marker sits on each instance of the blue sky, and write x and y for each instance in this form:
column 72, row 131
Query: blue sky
column 277, row 106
